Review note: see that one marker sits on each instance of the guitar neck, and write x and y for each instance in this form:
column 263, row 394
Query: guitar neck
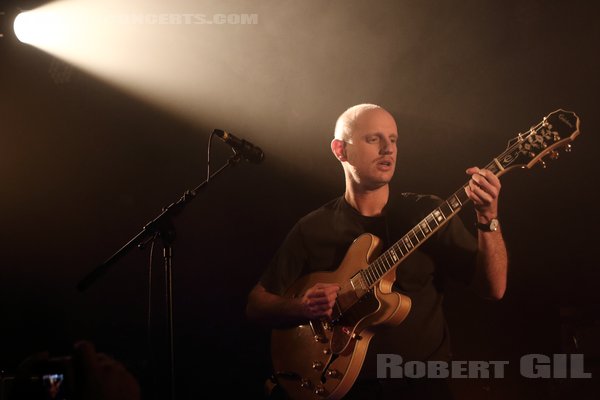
column 555, row 131
column 421, row 232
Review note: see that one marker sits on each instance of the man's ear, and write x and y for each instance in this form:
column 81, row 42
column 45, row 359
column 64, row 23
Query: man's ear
column 338, row 147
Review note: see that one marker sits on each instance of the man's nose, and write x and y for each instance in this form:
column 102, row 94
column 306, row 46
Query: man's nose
column 387, row 147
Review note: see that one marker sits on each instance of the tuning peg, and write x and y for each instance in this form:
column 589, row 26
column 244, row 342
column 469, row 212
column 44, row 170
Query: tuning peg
column 554, row 155
column 568, row 148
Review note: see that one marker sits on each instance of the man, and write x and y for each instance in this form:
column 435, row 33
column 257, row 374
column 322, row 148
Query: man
column 365, row 143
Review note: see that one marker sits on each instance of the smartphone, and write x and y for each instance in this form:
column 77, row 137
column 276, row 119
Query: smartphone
column 56, row 375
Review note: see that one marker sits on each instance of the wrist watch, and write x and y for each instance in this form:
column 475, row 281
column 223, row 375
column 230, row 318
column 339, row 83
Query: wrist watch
column 491, row 226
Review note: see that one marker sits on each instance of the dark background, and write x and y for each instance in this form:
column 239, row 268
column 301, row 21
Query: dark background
column 83, row 167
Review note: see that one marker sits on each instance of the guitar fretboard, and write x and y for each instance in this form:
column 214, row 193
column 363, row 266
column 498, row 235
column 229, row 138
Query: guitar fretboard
column 421, row 232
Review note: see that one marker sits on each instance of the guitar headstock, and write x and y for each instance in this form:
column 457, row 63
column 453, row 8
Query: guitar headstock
column 545, row 140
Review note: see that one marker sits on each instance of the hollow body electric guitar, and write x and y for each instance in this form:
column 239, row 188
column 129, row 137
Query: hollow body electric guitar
column 321, row 359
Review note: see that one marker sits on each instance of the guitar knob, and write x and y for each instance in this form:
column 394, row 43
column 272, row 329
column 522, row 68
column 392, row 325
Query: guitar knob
column 333, row 373
column 326, row 351
column 554, row 155
column 320, row 338
column 305, row 383
column 317, row 365
column 568, row 148
column 320, row 390
column 543, row 164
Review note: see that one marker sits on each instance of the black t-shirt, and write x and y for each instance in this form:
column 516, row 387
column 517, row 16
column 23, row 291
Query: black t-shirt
column 319, row 241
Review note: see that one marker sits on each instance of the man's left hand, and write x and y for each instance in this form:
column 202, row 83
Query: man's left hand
column 483, row 189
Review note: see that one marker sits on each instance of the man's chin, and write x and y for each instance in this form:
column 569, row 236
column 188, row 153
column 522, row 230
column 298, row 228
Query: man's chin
column 376, row 184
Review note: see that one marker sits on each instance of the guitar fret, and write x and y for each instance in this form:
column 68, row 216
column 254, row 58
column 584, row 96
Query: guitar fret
column 413, row 234
column 462, row 195
column 365, row 275
column 447, row 203
column 397, row 245
column 372, row 278
column 391, row 261
column 493, row 167
column 388, row 261
column 371, row 273
column 438, row 216
column 379, row 266
column 432, row 219
column 402, row 247
column 384, row 265
column 454, row 203
column 458, row 199
column 422, row 233
column 393, row 255
column 500, row 167
column 424, row 228
column 446, row 209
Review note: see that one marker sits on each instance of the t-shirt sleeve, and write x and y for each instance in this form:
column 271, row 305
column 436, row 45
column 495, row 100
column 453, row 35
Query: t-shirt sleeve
column 287, row 264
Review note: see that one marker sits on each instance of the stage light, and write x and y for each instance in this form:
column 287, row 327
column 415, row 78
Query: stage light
column 44, row 29
column 24, row 27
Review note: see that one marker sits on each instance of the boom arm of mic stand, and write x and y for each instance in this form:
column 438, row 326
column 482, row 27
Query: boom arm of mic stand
column 152, row 228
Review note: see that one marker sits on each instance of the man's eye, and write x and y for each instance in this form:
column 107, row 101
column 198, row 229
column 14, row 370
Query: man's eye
column 372, row 139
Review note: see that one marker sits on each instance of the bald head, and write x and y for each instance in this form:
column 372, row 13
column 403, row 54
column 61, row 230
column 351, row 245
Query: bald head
column 365, row 143
column 346, row 122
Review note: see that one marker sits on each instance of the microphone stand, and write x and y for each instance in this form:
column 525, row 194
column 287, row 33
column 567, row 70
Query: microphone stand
column 161, row 226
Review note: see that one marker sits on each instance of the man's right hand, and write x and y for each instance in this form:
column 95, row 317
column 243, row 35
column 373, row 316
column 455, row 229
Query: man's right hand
column 318, row 301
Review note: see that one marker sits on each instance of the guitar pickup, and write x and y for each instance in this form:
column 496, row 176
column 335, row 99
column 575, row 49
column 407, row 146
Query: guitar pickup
column 358, row 283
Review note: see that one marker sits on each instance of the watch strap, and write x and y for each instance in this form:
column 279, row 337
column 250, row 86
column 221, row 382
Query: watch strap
column 491, row 226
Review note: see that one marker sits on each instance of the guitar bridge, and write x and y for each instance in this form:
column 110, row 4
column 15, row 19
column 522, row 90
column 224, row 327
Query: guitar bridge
column 318, row 330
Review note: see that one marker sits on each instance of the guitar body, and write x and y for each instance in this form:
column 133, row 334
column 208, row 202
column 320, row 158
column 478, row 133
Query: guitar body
column 321, row 360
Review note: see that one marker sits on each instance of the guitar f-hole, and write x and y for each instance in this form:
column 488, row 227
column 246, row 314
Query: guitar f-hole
column 326, row 371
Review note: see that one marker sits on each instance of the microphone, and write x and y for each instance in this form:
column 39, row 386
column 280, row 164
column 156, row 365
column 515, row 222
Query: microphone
column 248, row 151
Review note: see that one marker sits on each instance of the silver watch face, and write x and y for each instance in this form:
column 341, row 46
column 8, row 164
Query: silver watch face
column 494, row 225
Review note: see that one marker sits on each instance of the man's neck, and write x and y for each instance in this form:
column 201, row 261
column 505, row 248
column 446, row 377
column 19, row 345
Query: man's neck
column 369, row 203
